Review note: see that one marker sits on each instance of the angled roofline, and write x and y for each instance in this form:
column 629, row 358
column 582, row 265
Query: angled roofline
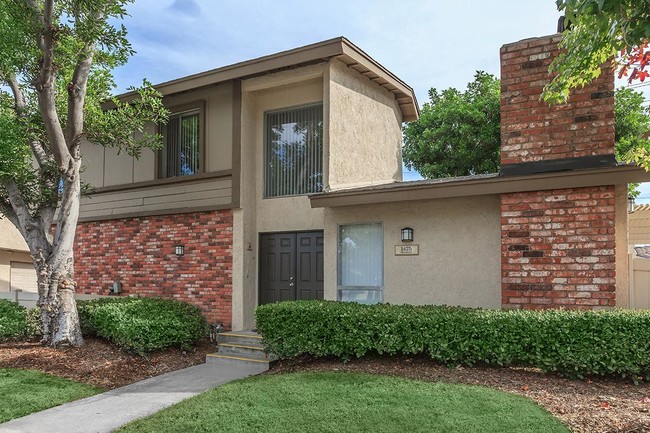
column 339, row 48
column 489, row 184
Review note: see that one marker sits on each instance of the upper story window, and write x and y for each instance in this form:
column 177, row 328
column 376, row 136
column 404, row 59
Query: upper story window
column 293, row 151
column 181, row 152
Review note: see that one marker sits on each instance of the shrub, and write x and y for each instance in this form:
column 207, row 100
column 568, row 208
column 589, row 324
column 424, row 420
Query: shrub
column 34, row 325
column 13, row 322
column 143, row 325
column 573, row 343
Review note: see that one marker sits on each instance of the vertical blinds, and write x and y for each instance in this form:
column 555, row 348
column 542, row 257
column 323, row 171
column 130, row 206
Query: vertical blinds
column 180, row 157
column 294, row 151
column 361, row 256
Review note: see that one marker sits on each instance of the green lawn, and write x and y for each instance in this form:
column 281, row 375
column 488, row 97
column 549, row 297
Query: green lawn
column 23, row 392
column 346, row 402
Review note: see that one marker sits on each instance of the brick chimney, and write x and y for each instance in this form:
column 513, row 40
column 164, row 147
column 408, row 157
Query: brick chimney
column 537, row 137
column 558, row 246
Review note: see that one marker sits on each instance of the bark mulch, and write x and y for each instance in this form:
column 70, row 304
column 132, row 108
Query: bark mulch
column 98, row 362
column 585, row 406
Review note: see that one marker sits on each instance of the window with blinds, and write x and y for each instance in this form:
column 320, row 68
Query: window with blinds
column 180, row 155
column 361, row 263
column 293, row 151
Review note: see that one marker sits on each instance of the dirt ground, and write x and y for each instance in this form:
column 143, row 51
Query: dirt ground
column 98, row 362
column 586, row 406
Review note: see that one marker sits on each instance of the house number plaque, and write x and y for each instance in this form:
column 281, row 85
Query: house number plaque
column 407, row 250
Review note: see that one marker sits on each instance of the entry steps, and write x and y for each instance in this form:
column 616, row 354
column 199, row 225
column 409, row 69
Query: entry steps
column 241, row 347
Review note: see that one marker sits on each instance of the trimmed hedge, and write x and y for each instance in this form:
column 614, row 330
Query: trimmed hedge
column 143, row 325
column 573, row 343
column 13, row 321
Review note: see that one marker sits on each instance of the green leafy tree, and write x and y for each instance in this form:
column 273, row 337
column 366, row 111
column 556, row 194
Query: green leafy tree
column 56, row 59
column 598, row 31
column 458, row 133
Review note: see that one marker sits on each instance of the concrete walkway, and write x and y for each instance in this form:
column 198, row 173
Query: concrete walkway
column 105, row 412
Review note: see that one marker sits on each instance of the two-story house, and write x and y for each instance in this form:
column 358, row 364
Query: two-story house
column 281, row 179
column 244, row 147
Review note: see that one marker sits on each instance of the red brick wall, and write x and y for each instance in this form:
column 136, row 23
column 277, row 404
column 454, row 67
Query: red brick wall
column 140, row 253
column 558, row 248
column 532, row 130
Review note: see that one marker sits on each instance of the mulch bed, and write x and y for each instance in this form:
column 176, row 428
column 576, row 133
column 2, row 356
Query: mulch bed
column 586, row 406
column 98, row 362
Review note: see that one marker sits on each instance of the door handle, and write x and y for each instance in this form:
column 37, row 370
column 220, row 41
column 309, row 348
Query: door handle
column 291, row 284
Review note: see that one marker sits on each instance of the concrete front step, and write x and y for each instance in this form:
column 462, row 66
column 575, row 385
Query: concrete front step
column 243, row 348
column 240, row 349
column 233, row 360
column 245, row 338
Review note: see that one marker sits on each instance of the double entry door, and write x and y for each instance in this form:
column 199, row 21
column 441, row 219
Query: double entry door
column 291, row 266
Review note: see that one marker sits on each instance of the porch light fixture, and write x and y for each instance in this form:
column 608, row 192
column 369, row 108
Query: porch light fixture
column 117, row 288
column 180, row 250
column 407, row 234
column 630, row 204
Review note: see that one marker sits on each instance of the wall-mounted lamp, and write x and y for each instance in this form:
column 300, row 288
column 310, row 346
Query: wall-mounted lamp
column 117, row 288
column 407, row 234
column 630, row 204
column 180, row 250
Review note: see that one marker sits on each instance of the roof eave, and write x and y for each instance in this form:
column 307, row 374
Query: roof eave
column 409, row 191
column 323, row 51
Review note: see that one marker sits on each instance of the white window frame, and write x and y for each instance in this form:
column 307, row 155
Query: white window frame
column 342, row 290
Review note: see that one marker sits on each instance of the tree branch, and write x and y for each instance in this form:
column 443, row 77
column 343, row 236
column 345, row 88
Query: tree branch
column 20, row 209
column 46, row 88
column 76, row 100
column 38, row 150
column 19, row 98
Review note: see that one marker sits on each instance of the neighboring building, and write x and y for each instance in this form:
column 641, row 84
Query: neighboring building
column 16, row 266
column 281, row 179
column 639, row 226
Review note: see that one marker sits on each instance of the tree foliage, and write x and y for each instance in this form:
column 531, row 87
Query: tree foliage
column 458, row 133
column 56, row 58
column 598, row 31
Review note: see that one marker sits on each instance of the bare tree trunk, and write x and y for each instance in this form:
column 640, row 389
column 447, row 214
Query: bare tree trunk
column 56, row 301
column 55, row 267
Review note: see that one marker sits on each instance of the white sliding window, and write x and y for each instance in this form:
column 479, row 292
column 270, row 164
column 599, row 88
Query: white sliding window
column 361, row 263
column 293, row 151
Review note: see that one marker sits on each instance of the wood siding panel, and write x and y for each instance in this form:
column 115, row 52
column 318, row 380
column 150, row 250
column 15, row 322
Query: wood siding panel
column 203, row 193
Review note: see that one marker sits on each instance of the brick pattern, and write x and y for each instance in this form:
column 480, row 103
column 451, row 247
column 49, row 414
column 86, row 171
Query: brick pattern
column 140, row 253
column 532, row 130
column 558, row 248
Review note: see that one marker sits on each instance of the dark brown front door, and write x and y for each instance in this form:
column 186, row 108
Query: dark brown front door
column 291, row 266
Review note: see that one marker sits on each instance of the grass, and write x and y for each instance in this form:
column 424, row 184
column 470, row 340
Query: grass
column 348, row 402
column 23, row 392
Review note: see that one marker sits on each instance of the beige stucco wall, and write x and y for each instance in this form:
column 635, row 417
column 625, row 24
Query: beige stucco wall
column 365, row 133
column 10, row 237
column 459, row 241
column 12, row 249
column 104, row 167
column 622, row 257
column 258, row 215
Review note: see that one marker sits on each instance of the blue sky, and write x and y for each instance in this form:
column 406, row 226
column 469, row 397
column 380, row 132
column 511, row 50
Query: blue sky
column 426, row 43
